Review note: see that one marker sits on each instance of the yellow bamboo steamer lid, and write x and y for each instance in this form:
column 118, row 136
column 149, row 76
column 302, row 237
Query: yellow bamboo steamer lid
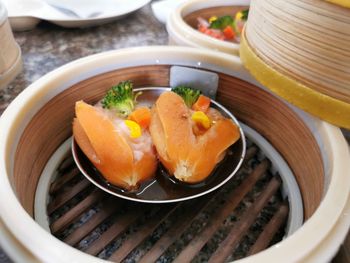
column 300, row 50
column 344, row 3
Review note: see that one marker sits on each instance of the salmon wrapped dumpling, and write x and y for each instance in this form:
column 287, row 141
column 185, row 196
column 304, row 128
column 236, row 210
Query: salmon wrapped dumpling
column 190, row 143
column 118, row 147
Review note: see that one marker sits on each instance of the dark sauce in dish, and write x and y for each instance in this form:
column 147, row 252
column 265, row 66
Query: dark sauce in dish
column 164, row 186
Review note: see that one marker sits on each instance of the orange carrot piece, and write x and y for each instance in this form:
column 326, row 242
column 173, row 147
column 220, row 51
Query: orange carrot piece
column 228, row 32
column 202, row 104
column 142, row 116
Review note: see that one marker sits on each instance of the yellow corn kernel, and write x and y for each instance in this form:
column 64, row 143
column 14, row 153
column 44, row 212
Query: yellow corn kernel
column 134, row 127
column 239, row 16
column 201, row 118
column 212, row 19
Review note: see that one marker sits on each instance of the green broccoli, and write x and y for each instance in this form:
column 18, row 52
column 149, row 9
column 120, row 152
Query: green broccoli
column 189, row 95
column 121, row 98
column 222, row 22
column 245, row 14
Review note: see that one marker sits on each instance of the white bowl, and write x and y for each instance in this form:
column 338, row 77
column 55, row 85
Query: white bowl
column 182, row 34
column 39, row 120
column 26, row 14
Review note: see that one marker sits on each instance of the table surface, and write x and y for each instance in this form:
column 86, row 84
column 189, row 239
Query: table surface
column 48, row 46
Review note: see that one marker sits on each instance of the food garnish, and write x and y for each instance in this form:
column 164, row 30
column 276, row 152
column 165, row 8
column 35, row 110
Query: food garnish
column 142, row 116
column 202, row 104
column 120, row 98
column 222, row 22
column 189, row 95
column 229, row 33
column 242, row 15
column 224, row 27
column 200, row 118
column 134, row 128
column 240, row 20
column 212, row 19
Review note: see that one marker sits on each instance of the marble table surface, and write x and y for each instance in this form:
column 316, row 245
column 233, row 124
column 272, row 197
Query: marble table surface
column 48, row 46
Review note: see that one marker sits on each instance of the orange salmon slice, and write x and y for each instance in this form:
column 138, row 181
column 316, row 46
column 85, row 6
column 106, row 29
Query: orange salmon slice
column 108, row 150
column 189, row 157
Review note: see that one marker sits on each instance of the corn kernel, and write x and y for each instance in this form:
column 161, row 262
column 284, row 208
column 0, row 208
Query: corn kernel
column 134, row 127
column 201, row 118
column 212, row 19
column 239, row 16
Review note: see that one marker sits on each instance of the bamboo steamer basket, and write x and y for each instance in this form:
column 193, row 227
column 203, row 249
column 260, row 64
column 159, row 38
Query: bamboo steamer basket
column 39, row 120
column 182, row 23
column 300, row 50
column 10, row 52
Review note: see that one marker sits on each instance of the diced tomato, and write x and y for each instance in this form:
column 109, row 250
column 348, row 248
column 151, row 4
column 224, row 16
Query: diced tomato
column 228, row 32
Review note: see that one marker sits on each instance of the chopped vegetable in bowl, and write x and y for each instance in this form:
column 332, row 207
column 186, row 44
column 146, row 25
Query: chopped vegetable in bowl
column 226, row 27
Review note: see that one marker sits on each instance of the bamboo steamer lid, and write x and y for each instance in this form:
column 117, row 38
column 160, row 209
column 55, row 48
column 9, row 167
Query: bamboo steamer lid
column 300, row 49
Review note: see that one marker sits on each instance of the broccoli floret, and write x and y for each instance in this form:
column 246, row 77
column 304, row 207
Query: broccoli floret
column 222, row 22
column 121, row 98
column 245, row 14
column 189, row 95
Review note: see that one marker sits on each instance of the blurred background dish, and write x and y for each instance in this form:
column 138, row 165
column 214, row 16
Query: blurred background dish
column 182, row 23
column 26, row 14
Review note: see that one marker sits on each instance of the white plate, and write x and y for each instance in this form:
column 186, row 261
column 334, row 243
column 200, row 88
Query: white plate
column 26, row 14
column 162, row 9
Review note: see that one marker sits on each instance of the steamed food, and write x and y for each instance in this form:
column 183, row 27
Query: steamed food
column 120, row 148
column 228, row 28
column 189, row 143
column 126, row 141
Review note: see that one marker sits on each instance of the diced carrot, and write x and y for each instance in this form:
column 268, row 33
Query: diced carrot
column 228, row 32
column 202, row 104
column 142, row 116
